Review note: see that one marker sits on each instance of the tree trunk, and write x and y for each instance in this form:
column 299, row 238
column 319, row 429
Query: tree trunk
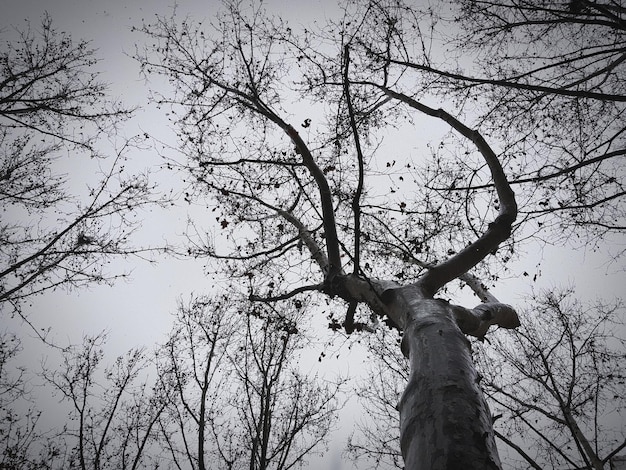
column 445, row 423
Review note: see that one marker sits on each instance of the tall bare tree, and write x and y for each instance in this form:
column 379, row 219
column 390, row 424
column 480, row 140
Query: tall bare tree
column 298, row 218
column 113, row 413
column 51, row 103
column 193, row 365
column 375, row 442
column 287, row 415
column 236, row 396
column 24, row 442
column 556, row 384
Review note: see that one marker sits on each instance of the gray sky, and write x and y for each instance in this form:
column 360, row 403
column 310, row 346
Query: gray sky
column 138, row 312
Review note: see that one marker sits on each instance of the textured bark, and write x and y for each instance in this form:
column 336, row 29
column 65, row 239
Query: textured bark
column 445, row 422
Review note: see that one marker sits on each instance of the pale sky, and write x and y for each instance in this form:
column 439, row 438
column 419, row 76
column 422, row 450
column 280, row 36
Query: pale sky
column 138, row 311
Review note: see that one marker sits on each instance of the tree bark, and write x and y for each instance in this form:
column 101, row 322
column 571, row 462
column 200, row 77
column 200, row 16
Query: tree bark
column 445, row 423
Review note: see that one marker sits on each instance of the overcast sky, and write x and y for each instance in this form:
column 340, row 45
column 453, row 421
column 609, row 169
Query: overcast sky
column 108, row 26
column 139, row 311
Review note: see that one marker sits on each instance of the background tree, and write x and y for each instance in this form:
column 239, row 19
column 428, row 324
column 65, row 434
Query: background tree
column 556, row 384
column 24, row 443
column 52, row 103
column 287, row 415
column 193, row 365
column 236, row 396
column 292, row 206
column 113, row 414
column 375, row 443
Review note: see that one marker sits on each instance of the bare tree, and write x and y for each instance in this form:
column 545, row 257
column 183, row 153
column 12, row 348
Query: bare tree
column 51, row 103
column 236, row 395
column 375, row 442
column 298, row 218
column 287, row 416
column 24, row 443
column 112, row 419
column 556, row 384
column 193, row 366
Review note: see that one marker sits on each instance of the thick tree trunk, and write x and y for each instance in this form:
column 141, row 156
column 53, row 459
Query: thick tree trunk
column 445, row 422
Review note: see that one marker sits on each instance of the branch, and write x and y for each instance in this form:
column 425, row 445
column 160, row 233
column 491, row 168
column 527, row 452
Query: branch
column 305, row 235
column 589, row 205
column 540, row 177
column 477, row 321
column 507, row 83
column 254, row 103
column 518, row 449
column 328, row 209
column 288, row 295
column 543, row 437
column 474, row 283
column 356, row 207
column 614, row 452
column 277, row 250
column 498, row 231
column 303, row 232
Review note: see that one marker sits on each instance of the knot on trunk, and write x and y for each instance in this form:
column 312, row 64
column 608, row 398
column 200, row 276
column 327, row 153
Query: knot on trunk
column 476, row 321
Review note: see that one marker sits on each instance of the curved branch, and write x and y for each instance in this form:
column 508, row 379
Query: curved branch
column 305, row 235
column 474, row 283
column 589, row 205
column 498, row 231
column 328, row 212
column 540, row 177
column 328, row 209
column 277, row 251
column 507, row 83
